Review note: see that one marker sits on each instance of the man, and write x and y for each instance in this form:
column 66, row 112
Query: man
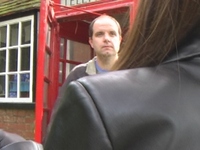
column 105, row 38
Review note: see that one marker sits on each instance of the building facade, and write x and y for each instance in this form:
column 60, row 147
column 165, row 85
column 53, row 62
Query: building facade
column 18, row 44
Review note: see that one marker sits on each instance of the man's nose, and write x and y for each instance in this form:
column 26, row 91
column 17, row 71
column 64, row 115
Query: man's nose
column 107, row 37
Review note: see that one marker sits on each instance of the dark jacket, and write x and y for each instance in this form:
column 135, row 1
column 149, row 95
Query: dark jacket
column 81, row 70
column 7, row 138
column 154, row 108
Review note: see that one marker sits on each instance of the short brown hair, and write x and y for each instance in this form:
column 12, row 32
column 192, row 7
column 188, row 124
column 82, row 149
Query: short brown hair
column 92, row 24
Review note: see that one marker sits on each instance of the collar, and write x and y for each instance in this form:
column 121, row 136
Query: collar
column 99, row 69
column 90, row 67
column 190, row 47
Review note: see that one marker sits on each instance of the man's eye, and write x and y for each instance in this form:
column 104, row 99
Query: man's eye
column 99, row 34
column 112, row 33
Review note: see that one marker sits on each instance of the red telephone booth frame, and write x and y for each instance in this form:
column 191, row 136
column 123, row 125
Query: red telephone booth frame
column 53, row 14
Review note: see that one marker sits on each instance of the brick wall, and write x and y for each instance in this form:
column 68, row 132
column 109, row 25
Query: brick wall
column 18, row 121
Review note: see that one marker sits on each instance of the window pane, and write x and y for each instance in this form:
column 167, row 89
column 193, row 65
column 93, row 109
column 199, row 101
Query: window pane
column 12, row 85
column 25, row 58
column 76, row 2
column 48, row 36
column 45, row 94
column 3, row 36
column 60, row 72
column 72, row 2
column 78, row 51
column 46, row 69
column 62, row 48
column 26, row 32
column 13, row 59
column 24, row 85
column 2, row 61
column 2, row 86
column 14, row 34
column 69, row 67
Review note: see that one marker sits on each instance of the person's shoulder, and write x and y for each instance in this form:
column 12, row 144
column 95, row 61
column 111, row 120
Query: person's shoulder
column 76, row 73
column 132, row 78
column 120, row 75
column 79, row 67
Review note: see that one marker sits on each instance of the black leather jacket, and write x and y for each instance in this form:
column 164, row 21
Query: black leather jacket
column 7, row 138
column 154, row 108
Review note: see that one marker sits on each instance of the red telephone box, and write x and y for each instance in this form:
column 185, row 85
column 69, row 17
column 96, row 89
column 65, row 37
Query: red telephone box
column 63, row 43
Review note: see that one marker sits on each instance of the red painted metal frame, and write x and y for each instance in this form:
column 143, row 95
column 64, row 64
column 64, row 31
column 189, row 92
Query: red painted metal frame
column 95, row 8
column 53, row 67
column 40, row 69
column 54, row 59
column 133, row 11
column 74, row 31
column 46, row 17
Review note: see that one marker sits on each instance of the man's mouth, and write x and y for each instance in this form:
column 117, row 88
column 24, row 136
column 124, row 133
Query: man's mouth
column 107, row 46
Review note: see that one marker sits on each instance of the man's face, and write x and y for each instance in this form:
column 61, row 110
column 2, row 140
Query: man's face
column 105, row 39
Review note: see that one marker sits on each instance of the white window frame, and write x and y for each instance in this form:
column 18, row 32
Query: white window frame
column 18, row 99
column 75, row 2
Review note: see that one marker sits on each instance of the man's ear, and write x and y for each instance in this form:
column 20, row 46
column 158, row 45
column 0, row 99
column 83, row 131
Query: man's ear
column 90, row 41
column 120, row 39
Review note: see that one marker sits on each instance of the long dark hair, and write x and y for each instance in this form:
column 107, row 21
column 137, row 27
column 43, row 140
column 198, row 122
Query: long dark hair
column 158, row 27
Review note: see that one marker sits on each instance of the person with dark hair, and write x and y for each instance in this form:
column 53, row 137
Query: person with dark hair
column 152, row 100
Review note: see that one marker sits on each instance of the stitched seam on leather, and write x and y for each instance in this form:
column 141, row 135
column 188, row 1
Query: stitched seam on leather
column 87, row 92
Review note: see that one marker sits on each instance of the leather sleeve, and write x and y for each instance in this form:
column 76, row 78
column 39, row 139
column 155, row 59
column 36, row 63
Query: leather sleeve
column 77, row 124
column 138, row 109
column 8, row 138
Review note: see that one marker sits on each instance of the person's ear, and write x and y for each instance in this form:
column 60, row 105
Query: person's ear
column 91, row 42
column 120, row 39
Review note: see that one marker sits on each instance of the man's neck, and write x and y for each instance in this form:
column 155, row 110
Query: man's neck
column 106, row 63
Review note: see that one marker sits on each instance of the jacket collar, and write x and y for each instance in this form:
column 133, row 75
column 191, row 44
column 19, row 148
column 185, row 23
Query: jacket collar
column 189, row 48
column 90, row 67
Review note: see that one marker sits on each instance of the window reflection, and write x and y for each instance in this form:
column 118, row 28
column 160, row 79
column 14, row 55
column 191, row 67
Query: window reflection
column 26, row 32
column 62, row 52
column 3, row 36
column 24, row 85
column 13, row 58
column 2, row 61
column 60, row 72
column 75, row 2
column 12, row 85
column 25, row 58
column 2, row 86
column 79, row 52
column 14, row 29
